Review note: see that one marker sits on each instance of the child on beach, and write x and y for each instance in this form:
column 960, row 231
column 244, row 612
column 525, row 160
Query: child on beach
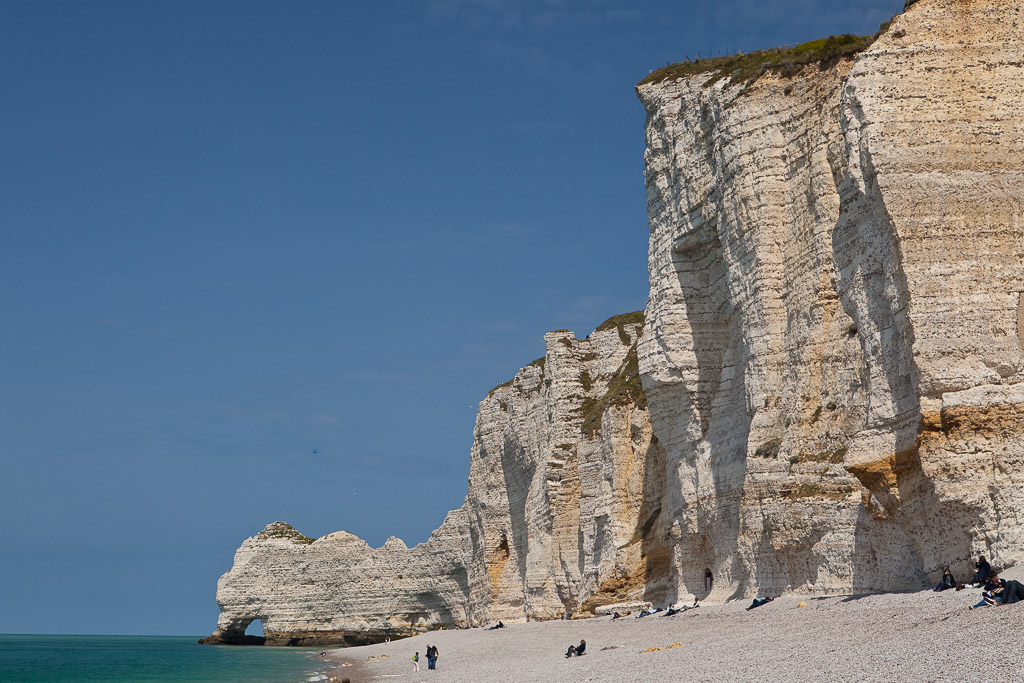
column 416, row 662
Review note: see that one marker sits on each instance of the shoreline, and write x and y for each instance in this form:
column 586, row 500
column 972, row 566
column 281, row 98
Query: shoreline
column 919, row 635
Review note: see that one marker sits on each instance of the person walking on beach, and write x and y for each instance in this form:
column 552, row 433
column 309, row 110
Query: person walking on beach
column 431, row 657
column 416, row 663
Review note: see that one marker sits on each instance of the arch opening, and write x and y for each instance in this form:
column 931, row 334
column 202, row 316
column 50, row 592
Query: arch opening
column 255, row 629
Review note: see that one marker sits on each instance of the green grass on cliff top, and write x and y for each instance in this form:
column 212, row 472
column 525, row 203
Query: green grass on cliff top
column 785, row 61
column 634, row 318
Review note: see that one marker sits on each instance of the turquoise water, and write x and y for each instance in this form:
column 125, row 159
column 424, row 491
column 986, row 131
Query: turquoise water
column 122, row 659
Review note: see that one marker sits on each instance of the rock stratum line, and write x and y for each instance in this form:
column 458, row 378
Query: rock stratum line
column 825, row 393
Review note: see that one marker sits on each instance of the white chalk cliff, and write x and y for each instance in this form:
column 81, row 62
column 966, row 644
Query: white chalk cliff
column 563, row 513
column 824, row 394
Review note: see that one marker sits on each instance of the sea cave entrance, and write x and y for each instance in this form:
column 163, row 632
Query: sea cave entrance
column 244, row 631
column 255, row 629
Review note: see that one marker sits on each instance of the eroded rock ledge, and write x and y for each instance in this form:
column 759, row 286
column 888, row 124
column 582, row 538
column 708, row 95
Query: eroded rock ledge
column 824, row 394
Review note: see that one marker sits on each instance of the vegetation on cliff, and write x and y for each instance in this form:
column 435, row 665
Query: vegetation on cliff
column 785, row 61
column 539, row 363
column 624, row 388
column 619, row 322
column 283, row 530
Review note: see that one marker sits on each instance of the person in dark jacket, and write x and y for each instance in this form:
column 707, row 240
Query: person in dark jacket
column 984, row 570
column 577, row 650
column 758, row 602
column 947, row 581
column 431, row 657
column 1013, row 591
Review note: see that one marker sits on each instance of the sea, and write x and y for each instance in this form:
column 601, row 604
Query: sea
column 124, row 659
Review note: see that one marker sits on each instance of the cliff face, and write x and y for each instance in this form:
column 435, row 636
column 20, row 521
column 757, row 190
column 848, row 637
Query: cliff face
column 566, row 482
column 564, row 508
column 836, row 275
column 824, row 392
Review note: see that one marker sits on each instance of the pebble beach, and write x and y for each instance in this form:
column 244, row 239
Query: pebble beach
column 923, row 636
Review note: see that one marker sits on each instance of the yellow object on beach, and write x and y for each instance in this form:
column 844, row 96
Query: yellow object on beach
column 655, row 648
column 801, row 604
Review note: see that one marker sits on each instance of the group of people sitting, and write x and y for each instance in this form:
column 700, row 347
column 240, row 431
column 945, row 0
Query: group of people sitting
column 997, row 591
column 672, row 609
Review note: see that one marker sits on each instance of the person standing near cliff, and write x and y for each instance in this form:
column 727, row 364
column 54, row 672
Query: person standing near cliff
column 416, row 663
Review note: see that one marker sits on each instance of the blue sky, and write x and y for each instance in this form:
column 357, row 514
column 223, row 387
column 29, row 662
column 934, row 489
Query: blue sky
column 261, row 261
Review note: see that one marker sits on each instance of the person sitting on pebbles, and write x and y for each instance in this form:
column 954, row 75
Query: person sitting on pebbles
column 984, row 571
column 992, row 593
column 1001, row 592
column 577, row 650
column 947, row 581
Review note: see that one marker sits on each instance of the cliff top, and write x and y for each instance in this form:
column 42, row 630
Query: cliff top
column 634, row 318
column 283, row 530
column 785, row 61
